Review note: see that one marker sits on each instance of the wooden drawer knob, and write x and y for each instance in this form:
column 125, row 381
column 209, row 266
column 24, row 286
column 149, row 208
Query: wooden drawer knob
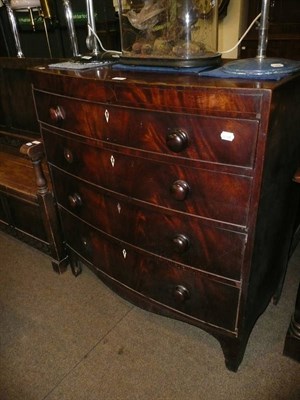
column 181, row 293
column 179, row 190
column 57, row 114
column 68, row 156
column 181, row 243
column 177, row 140
column 75, row 200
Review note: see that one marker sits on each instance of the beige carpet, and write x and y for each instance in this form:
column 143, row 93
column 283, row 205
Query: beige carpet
column 66, row 338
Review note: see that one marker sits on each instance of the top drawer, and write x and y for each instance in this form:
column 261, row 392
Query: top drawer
column 220, row 140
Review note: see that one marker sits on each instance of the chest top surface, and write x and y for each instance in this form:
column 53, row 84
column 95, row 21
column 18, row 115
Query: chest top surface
column 160, row 91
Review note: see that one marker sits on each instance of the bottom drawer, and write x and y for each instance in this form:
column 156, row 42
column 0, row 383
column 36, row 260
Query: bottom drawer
column 181, row 288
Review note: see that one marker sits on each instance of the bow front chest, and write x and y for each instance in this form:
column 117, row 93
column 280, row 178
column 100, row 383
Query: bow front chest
column 177, row 191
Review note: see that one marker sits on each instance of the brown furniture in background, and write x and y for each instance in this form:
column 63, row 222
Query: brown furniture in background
column 176, row 190
column 27, row 206
column 284, row 30
column 292, row 339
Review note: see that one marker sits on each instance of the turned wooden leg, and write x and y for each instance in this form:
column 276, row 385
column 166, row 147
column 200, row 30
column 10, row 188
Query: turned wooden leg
column 35, row 152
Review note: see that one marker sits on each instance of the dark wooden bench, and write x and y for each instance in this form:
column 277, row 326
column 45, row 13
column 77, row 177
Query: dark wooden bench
column 27, row 204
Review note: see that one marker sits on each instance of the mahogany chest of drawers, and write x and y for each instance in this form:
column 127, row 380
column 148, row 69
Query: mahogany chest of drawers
column 176, row 191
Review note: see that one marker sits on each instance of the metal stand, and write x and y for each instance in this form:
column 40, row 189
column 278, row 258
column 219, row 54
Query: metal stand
column 13, row 24
column 71, row 28
column 41, row 7
column 91, row 40
column 46, row 32
column 261, row 65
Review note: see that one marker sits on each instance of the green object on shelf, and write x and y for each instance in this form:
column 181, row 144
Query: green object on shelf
column 24, row 21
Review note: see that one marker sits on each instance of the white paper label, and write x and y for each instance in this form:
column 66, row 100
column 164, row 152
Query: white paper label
column 229, row 136
column 277, row 65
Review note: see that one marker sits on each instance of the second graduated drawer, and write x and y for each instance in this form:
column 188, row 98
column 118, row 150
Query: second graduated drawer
column 182, row 238
column 213, row 195
column 221, row 140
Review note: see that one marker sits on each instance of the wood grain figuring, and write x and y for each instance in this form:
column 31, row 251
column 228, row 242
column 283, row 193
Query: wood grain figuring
column 184, row 92
column 149, row 228
column 17, row 175
column 148, row 131
column 27, row 209
column 207, row 298
column 176, row 190
column 208, row 196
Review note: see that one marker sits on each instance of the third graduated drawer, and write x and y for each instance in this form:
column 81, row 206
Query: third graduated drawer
column 182, row 238
column 212, row 195
column 220, row 140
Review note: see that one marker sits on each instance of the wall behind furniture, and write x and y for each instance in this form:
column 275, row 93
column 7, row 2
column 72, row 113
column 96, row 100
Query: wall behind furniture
column 232, row 27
